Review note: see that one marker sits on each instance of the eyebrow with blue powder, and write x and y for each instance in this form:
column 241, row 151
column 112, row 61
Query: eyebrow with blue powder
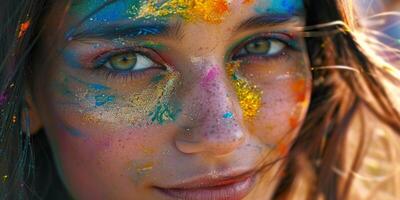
column 115, row 18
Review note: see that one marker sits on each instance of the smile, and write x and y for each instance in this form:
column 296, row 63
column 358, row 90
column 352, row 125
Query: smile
column 208, row 188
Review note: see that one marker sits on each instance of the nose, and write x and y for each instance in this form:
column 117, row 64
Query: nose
column 215, row 123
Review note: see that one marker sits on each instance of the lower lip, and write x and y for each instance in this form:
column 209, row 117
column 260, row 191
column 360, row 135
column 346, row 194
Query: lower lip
column 234, row 191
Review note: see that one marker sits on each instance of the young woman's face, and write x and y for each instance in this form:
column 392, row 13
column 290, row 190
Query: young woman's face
column 175, row 99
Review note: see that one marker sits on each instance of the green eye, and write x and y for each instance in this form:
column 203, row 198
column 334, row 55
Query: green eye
column 261, row 47
column 123, row 62
column 128, row 62
column 258, row 47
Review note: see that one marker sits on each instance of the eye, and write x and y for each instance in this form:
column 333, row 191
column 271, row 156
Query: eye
column 129, row 62
column 261, row 47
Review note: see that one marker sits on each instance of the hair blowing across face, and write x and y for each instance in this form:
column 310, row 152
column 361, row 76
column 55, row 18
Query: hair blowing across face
column 338, row 95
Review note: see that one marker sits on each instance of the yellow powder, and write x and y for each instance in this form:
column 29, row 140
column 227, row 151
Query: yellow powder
column 249, row 95
column 212, row 11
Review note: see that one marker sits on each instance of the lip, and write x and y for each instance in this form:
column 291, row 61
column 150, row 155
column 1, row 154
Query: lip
column 231, row 187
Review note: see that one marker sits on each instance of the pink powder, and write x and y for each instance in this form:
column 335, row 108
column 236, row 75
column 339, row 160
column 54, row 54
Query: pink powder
column 210, row 77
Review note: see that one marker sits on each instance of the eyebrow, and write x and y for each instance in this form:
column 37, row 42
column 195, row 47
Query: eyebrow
column 145, row 28
column 130, row 30
column 266, row 20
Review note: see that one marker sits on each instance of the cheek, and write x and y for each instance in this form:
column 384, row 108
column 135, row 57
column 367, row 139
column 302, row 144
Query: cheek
column 285, row 100
column 105, row 163
column 95, row 146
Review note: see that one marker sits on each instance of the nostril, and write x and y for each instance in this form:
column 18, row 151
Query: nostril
column 217, row 142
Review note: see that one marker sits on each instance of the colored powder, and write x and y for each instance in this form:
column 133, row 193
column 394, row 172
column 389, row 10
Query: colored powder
column 293, row 122
column 74, row 132
column 299, row 89
column 103, row 99
column 278, row 6
column 228, row 115
column 154, row 103
column 141, row 170
column 157, row 78
column 212, row 11
column 165, row 111
column 248, row 1
column 71, row 58
column 153, row 45
column 148, row 31
column 296, row 114
column 282, row 148
column 96, row 92
column 23, row 28
column 145, row 167
column 114, row 11
column 249, row 95
column 96, row 86
column 211, row 75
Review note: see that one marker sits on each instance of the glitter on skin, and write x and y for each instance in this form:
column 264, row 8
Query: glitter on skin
column 249, row 95
column 99, row 92
column 140, row 170
column 152, row 104
column 166, row 111
column 212, row 11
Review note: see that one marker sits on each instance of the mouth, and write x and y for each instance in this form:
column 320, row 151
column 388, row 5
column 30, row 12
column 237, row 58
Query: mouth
column 231, row 187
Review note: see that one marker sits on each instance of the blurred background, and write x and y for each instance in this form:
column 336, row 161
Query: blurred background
column 382, row 20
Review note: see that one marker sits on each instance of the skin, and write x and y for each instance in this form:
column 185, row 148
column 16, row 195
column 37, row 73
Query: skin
column 119, row 136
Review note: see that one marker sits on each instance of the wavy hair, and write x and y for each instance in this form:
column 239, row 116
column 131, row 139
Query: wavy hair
column 349, row 78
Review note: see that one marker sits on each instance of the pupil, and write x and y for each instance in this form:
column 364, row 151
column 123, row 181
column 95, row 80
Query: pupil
column 259, row 47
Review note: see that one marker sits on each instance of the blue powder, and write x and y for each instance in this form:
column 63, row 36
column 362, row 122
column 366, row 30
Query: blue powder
column 74, row 132
column 279, row 6
column 164, row 113
column 71, row 58
column 103, row 99
column 228, row 115
column 99, row 87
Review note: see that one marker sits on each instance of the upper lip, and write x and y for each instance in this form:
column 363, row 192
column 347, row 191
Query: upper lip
column 211, row 180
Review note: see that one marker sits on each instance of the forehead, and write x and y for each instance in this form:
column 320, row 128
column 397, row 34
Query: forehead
column 212, row 11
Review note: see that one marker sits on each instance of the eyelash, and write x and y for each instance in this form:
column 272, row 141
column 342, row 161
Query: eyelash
column 286, row 39
column 99, row 62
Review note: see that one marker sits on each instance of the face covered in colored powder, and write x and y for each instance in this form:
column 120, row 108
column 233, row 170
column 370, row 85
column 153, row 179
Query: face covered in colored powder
column 173, row 99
